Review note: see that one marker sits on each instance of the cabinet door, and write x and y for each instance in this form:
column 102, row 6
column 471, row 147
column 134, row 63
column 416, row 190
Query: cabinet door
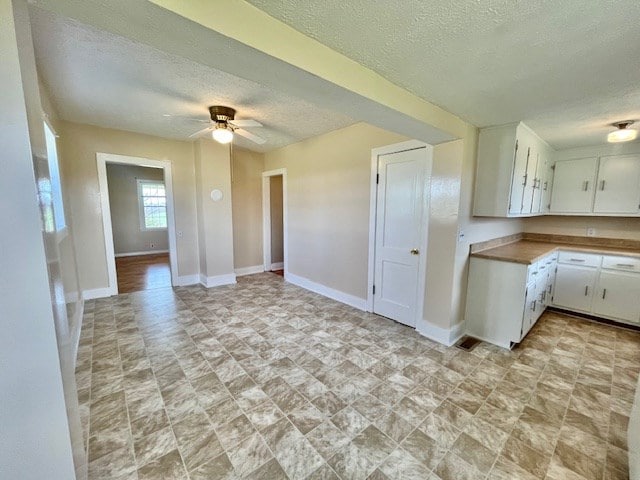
column 529, row 309
column 618, row 188
column 519, row 179
column 618, row 296
column 551, row 282
column 574, row 287
column 573, row 186
column 531, row 182
column 547, row 187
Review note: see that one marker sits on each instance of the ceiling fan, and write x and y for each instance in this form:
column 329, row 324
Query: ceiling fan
column 223, row 126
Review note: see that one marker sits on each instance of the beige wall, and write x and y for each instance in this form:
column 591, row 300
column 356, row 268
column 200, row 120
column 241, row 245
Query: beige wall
column 79, row 145
column 328, row 204
column 277, row 232
column 247, row 208
column 128, row 237
column 215, row 223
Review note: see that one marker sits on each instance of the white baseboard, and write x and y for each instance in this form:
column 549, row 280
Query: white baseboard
column 353, row 301
column 218, row 280
column 136, row 254
column 249, row 270
column 445, row 336
column 277, row 266
column 96, row 293
column 184, row 280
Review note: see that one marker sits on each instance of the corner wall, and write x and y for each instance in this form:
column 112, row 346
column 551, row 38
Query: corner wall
column 215, row 224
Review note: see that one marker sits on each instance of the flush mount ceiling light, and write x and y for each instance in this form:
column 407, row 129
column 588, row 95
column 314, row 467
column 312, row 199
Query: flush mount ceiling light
column 222, row 133
column 623, row 134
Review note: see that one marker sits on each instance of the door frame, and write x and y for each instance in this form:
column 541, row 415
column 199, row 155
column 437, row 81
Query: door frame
column 266, row 219
column 102, row 159
column 424, row 231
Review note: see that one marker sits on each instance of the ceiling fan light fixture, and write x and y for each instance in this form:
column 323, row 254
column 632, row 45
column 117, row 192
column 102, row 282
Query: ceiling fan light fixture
column 222, row 134
column 623, row 134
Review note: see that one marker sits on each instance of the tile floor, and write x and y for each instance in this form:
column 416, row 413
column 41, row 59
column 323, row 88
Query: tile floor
column 264, row 380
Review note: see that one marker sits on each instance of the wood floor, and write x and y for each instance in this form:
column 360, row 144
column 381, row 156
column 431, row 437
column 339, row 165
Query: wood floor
column 143, row 272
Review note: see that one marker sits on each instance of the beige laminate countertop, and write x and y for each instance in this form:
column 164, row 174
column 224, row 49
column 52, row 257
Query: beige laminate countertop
column 527, row 251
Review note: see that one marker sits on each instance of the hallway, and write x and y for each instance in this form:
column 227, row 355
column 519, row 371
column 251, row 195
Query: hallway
column 143, row 272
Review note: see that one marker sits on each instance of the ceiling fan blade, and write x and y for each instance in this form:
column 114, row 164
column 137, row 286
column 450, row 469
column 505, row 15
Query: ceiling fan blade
column 200, row 132
column 186, row 117
column 250, row 136
column 245, row 123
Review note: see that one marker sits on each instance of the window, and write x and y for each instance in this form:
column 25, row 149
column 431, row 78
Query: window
column 56, row 216
column 152, row 199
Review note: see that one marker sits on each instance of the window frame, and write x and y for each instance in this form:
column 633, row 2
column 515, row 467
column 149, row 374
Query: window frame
column 60, row 226
column 139, row 183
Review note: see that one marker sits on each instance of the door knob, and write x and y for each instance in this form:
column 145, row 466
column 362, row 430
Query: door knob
column 415, row 251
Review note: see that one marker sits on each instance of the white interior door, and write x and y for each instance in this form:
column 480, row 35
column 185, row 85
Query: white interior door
column 400, row 203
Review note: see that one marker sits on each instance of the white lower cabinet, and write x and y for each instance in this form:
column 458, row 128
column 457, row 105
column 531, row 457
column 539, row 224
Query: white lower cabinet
column 505, row 299
column 574, row 287
column 618, row 296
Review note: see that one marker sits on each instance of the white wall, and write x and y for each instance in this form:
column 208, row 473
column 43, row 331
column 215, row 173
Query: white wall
column 128, row 237
column 35, row 441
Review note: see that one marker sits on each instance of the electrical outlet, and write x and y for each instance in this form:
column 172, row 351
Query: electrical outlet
column 180, row 233
column 152, row 245
column 460, row 236
column 591, row 232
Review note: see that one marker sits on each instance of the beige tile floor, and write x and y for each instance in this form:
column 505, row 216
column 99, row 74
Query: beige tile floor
column 264, row 380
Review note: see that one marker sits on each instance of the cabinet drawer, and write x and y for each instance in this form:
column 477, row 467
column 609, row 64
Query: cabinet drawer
column 582, row 259
column 627, row 264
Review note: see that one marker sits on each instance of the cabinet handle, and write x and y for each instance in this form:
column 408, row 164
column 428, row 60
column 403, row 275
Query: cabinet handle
column 577, row 260
column 585, row 186
column 626, row 265
column 604, row 293
column 524, row 183
column 602, row 185
column 533, row 306
column 550, row 287
column 546, row 184
column 586, row 290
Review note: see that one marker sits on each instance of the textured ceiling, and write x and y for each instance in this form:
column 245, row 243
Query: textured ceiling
column 100, row 78
column 567, row 68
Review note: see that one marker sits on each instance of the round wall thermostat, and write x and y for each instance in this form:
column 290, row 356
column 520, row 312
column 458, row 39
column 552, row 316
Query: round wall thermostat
column 216, row 195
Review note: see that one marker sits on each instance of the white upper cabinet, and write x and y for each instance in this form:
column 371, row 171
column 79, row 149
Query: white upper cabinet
column 573, row 185
column 618, row 188
column 597, row 186
column 510, row 172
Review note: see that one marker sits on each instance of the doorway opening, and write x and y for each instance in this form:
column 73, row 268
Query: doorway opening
column 138, row 220
column 399, row 217
column 274, row 210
